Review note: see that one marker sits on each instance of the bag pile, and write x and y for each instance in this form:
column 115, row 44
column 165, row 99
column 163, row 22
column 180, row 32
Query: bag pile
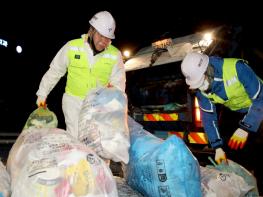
column 49, row 162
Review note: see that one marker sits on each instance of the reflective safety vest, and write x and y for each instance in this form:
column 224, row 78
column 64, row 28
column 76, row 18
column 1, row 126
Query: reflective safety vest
column 82, row 77
column 235, row 91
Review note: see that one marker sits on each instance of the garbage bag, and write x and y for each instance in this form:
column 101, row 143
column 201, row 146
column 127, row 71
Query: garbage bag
column 161, row 167
column 5, row 189
column 124, row 190
column 41, row 117
column 50, row 162
column 222, row 184
column 233, row 167
column 103, row 124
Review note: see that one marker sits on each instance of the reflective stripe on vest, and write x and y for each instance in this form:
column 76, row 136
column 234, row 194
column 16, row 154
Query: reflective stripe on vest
column 235, row 91
column 82, row 77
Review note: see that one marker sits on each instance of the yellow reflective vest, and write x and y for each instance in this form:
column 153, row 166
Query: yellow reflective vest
column 82, row 77
column 235, row 91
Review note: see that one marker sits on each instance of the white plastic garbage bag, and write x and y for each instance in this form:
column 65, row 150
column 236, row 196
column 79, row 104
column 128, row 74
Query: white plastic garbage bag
column 103, row 124
column 49, row 162
column 222, row 184
column 5, row 189
column 237, row 169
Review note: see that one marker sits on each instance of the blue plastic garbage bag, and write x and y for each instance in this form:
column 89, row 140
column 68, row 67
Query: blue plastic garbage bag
column 161, row 168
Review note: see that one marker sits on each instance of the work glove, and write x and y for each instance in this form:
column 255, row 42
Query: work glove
column 41, row 101
column 238, row 139
column 109, row 85
column 220, row 156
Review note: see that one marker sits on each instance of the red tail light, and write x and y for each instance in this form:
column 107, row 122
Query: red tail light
column 197, row 112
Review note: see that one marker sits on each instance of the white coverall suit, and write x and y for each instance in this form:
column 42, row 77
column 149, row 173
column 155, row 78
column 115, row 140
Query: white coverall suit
column 71, row 105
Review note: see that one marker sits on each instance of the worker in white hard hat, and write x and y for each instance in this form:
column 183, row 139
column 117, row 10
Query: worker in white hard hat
column 232, row 83
column 90, row 61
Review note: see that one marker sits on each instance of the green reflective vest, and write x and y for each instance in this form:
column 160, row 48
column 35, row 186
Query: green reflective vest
column 235, row 91
column 82, row 77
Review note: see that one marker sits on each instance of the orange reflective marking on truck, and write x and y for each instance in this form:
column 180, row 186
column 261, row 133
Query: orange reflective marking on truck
column 193, row 137
column 160, row 117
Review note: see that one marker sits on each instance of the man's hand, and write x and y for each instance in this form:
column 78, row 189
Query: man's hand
column 220, row 156
column 41, row 101
column 238, row 139
column 109, row 85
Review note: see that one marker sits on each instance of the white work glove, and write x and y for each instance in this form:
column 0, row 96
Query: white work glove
column 238, row 139
column 41, row 101
column 220, row 156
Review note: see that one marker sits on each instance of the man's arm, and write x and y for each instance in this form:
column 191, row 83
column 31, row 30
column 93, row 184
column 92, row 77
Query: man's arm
column 209, row 120
column 118, row 75
column 57, row 69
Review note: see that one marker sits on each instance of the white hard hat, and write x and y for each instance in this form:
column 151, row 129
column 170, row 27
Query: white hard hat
column 193, row 68
column 104, row 23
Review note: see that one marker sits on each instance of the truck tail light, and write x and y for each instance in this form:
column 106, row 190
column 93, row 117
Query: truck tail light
column 197, row 112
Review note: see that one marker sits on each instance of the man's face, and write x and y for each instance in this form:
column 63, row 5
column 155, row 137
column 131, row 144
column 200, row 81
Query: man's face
column 100, row 41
